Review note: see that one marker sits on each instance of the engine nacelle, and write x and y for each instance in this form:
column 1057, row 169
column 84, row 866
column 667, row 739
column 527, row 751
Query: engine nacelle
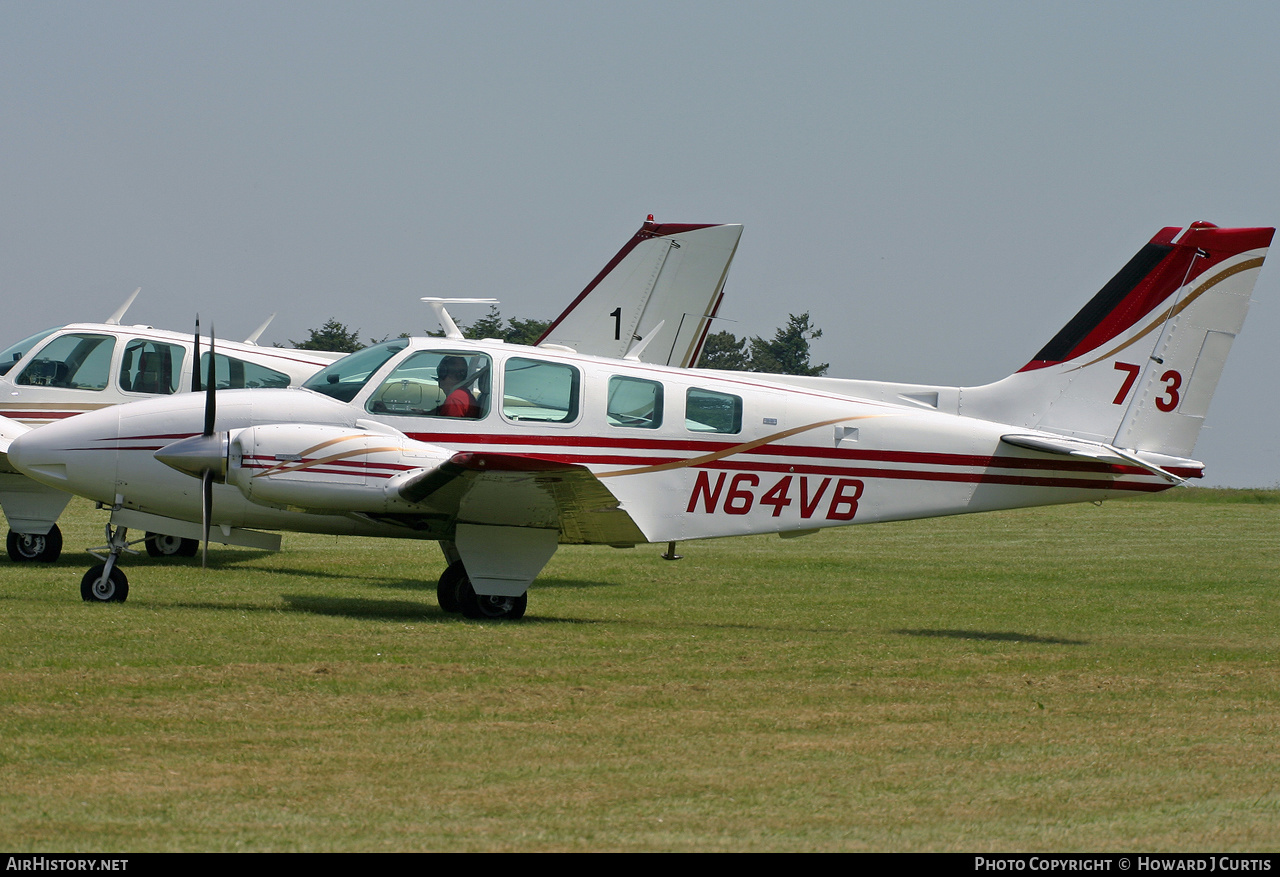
column 327, row 468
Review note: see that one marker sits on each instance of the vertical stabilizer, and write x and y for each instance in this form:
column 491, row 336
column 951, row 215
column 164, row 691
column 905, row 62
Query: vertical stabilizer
column 669, row 279
column 1137, row 366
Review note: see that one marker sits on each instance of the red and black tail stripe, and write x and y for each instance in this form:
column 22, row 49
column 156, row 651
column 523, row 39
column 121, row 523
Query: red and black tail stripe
column 1150, row 279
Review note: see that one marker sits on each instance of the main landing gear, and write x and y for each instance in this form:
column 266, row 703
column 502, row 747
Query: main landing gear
column 160, row 545
column 24, row 547
column 455, row 594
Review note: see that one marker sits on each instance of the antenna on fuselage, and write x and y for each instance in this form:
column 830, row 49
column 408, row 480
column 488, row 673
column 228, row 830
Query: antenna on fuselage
column 253, row 339
column 114, row 319
column 633, row 355
column 451, row 329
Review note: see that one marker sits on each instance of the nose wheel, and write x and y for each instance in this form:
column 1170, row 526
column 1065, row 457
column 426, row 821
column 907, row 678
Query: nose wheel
column 106, row 582
column 104, row 585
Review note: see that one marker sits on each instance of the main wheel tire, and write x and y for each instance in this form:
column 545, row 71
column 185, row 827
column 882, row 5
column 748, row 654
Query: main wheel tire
column 24, row 547
column 447, row 587
column 96, row 587
column 490, row 607
column 160, row 545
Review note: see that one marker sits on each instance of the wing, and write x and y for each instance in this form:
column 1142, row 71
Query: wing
column 512, row 490
column 29, row 506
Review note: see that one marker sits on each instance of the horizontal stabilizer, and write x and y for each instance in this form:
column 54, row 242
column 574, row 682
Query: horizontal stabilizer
column 1103, row 453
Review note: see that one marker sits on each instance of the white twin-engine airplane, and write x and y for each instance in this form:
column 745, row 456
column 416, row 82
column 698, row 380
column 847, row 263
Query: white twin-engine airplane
column 665, row 284
column 68, row 370
column 501, row 453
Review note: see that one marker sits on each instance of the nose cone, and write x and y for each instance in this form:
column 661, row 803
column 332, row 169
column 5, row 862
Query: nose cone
column 78, row 455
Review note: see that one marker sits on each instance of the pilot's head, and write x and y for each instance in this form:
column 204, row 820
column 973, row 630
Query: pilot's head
column 452, row 369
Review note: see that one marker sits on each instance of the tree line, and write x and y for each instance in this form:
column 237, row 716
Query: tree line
column 786, row 354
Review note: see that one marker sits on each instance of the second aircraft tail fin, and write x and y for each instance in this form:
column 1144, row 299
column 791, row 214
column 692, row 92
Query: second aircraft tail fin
column 669, row 279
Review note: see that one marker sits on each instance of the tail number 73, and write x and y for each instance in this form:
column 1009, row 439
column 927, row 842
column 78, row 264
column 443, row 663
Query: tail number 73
column 814, row 495
column 1166, row 401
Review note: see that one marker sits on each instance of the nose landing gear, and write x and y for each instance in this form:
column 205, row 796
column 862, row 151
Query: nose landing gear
column 105, row 582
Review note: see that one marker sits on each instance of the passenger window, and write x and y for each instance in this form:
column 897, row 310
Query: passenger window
column 634, row 402
column 540, row 392
column 74, row 362
column 236, row 374
column 151, row 367
column 709, row 411
column 436, row 383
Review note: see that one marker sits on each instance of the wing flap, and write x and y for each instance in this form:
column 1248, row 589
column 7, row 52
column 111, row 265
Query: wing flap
column 514, row 490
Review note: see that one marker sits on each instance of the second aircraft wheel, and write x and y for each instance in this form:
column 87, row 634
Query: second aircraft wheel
column 28, row 546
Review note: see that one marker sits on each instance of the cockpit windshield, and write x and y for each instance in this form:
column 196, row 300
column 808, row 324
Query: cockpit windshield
column 345, row 378
column 11, row 355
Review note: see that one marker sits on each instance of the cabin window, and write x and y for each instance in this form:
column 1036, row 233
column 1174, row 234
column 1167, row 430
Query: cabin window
column 634, row 402
column 436, row 383
column 73, row 362
column 540, row 392
column 346, row 377
column 709, row 411
column 151, row 367
column 230, row 373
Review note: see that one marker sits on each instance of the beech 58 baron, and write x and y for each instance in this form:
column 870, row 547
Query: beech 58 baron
column 666, row 282
column 501, row 453
column 68, row 370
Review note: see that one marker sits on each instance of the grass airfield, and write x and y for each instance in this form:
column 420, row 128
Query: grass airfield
column 1076, row 678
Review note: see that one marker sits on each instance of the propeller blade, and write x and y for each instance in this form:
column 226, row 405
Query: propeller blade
column 206, row 512
column 210, row 404
column 195, row 365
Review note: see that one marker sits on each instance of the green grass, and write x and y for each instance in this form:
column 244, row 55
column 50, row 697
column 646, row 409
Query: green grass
column 1072, row 678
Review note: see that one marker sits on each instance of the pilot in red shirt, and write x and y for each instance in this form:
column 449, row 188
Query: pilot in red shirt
column 459, row 402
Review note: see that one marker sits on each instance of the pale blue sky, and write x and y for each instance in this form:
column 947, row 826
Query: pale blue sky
column 941, row 185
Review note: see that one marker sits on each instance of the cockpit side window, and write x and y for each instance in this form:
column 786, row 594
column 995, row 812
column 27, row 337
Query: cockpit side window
column 345, row 378
column 73, row 362
column 436, row 383
column 151, row 367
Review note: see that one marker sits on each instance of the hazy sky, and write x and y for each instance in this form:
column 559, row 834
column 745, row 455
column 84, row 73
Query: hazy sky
column 941, row 185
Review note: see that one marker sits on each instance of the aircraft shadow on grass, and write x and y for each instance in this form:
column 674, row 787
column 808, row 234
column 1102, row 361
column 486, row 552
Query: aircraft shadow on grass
column 383, row 610
column 994, row 636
